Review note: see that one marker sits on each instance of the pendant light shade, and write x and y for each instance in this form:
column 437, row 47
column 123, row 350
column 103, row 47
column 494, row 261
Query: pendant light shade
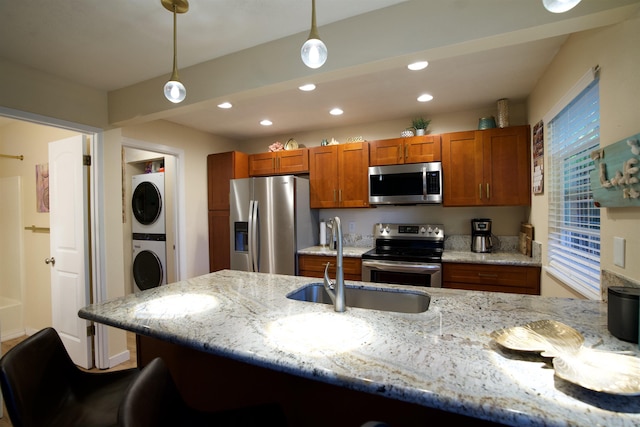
column 559, row 6
column 174, row 90
column 314, row 51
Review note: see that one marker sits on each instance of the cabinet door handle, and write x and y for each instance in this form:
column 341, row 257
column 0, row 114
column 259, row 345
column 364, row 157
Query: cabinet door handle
column 334, row 194
column 488, row 193
column 399, row 152
column 487, row 275
column 406, row 152
column 480, row 191
column 340, row 195
column 273, row 163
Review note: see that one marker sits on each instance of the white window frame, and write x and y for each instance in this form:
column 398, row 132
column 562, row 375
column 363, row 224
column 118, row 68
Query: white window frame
column 576, row 264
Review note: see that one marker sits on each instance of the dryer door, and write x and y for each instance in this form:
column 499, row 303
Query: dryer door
column 147, row 270
column 146, row 203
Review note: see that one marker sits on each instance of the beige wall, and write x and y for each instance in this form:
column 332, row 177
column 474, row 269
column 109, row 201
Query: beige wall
column 31, row 141
column 33, row 91
column 615, row 49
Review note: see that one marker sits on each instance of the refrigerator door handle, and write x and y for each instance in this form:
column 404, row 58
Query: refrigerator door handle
column 255, row 250
column 250, row 236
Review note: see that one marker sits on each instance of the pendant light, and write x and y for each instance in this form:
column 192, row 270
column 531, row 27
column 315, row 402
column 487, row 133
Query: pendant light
column 313, row 52
column 559, row 6
column 174, row 90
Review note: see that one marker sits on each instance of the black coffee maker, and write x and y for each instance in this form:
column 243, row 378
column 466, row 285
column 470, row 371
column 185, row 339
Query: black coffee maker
column 481, row 240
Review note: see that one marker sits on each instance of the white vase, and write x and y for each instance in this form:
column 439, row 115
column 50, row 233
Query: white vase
column 419, row 132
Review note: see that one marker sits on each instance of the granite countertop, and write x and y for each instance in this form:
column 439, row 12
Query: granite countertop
column 443, row 358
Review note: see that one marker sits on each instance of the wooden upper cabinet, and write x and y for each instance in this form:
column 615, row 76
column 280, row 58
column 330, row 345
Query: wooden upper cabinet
column 338, row 176
column 416, row 149
column 353, row 174
column 221, row 168
column 487, row 167
column 461, row 168
column 507, row 167
column 279, row 162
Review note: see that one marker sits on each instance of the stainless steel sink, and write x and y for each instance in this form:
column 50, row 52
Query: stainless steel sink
column 400, row 301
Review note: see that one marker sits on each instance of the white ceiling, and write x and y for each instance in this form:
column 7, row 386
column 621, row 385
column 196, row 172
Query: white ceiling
column 110, row 45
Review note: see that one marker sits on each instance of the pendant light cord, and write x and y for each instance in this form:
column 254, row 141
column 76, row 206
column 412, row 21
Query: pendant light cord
column 313, row 34
column 174, row 74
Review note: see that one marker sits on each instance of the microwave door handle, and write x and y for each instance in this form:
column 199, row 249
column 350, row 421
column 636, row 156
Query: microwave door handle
column 424, row 183
column 422, row 268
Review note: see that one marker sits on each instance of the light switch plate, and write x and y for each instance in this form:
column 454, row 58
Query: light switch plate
column 352, row 227
column 618, row 251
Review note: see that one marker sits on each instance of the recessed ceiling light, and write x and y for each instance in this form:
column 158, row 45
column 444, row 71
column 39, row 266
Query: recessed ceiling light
column 416, row 66
column 225, row 105
column 307, row 87
column 425, row 97
column 266, row 122
column 336, row 112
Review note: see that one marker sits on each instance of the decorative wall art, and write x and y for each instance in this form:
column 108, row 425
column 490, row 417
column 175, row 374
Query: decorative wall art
column 615, row 180
column 538, row 158
column 42, row 187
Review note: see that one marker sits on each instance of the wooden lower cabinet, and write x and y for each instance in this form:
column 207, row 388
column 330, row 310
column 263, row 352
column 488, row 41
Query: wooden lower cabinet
column 314, row 265
column 208, row 382
column 491, row 277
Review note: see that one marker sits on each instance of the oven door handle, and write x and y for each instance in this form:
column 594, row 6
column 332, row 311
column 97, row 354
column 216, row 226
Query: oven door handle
column 423, row 268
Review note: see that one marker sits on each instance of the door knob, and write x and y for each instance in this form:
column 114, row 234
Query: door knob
column 51, row 261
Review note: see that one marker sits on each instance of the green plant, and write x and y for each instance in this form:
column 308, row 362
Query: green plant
column 420, row 123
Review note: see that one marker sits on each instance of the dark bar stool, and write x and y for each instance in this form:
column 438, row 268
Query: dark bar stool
column 153, row 400
column 43, row 387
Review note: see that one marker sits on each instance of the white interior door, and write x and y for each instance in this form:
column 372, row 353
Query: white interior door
column 69, row 245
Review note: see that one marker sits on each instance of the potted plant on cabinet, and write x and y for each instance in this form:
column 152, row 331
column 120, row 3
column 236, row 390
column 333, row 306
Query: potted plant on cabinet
column 420, row 124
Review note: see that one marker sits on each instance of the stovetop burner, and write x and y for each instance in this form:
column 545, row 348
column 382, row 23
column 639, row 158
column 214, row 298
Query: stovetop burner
column 407, row 242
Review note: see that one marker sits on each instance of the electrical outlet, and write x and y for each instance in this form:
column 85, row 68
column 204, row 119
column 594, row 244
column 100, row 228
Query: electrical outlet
column 352, row 227
column 618, row 251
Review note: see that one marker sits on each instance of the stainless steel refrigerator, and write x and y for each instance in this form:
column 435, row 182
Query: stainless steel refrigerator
column 270, row 221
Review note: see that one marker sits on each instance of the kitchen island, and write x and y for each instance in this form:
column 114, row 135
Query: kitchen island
column 431, row 364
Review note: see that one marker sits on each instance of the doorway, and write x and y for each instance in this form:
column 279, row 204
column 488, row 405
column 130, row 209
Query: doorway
column 149, row 167
column 30, row 135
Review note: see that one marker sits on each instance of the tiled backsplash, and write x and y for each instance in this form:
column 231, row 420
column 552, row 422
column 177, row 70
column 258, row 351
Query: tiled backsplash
column 463, row 243
column 451, row 243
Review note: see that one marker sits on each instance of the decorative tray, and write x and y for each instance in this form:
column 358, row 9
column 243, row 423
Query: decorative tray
column 549, row 337
column 291, row 144
column 595, row 370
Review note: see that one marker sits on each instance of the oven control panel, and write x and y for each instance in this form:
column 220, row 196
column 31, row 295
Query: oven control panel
column 409, row 231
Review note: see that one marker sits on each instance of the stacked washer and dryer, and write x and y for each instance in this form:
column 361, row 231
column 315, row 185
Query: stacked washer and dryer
column 148, row 231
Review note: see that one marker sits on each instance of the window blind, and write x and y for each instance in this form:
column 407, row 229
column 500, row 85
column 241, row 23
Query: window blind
column 574, row 221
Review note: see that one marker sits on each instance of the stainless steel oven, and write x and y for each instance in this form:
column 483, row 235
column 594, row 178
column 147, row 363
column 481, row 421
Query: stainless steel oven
column 402, row 272
column 405, row 254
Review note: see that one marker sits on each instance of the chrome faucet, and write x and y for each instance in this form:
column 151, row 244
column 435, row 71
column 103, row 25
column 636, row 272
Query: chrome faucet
column 336, row 290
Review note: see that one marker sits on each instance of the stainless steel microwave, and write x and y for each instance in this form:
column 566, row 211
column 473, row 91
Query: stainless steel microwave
column 408, row 184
